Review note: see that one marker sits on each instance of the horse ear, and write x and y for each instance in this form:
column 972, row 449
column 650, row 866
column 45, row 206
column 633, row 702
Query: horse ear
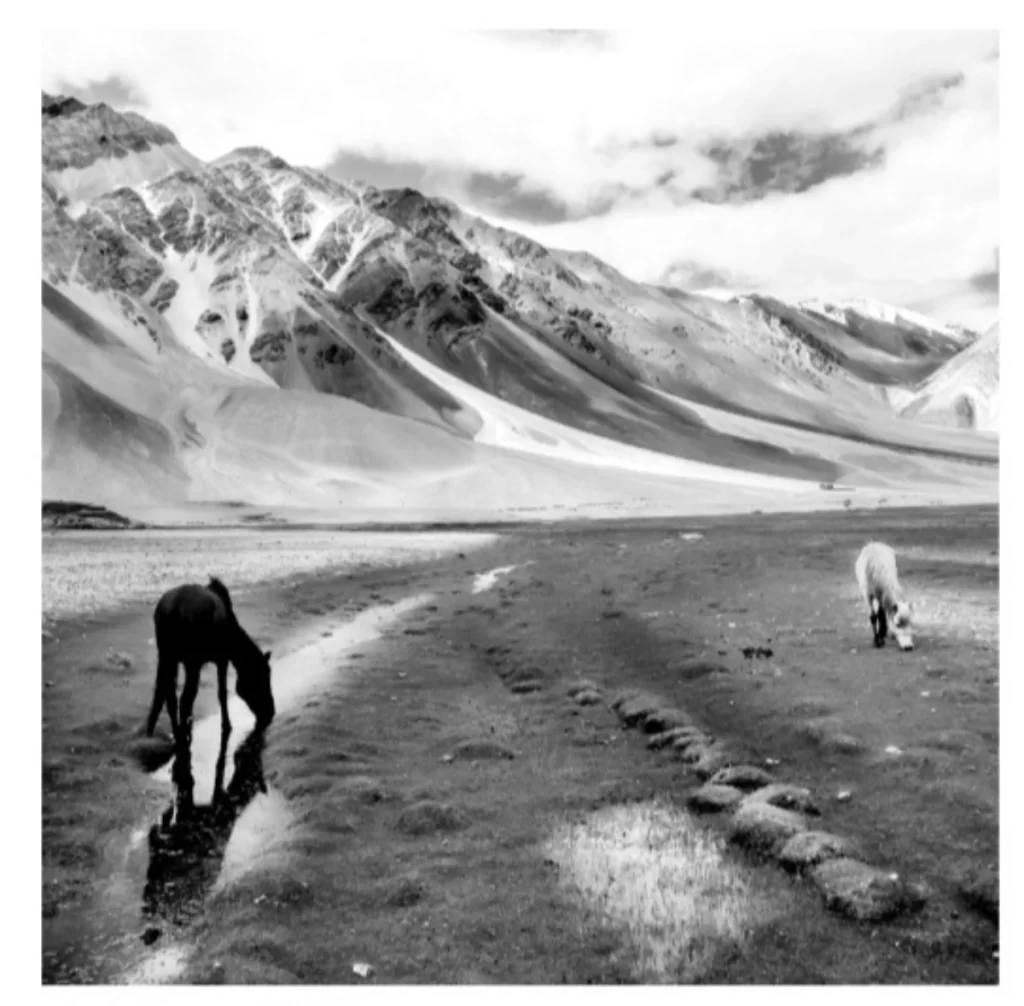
column 267, row 654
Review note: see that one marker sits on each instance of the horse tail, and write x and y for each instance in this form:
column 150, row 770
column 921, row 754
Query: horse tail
column 221, row 591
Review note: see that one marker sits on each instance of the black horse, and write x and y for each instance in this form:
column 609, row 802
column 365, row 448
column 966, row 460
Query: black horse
column 185, row 857
column 196, row 625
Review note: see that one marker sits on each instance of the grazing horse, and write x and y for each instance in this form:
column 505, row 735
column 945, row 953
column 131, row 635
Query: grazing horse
column 196, row 625
column 879, row 583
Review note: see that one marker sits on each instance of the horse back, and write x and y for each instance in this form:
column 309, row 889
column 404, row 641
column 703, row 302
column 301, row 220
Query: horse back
column 191, row 620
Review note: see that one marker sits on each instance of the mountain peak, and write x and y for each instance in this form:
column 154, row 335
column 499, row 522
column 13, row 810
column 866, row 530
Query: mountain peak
column 76, row 135
column 252, row 155
column 58, row 104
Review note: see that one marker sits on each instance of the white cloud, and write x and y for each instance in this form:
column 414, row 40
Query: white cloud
column 569, row 118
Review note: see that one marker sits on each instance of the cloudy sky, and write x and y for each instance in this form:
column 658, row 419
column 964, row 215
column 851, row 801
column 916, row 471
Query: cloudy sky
column 831, row 163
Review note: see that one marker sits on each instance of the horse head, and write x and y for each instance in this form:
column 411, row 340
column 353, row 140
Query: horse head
column 254, row 685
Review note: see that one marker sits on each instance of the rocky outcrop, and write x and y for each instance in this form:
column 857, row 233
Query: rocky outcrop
column 77, row 135
column 111, row 259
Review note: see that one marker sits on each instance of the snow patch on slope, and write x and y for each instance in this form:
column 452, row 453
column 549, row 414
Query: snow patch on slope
column 107, row 174
column 511, row 427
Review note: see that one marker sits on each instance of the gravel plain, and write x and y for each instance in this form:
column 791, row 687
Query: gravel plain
column 88, row 571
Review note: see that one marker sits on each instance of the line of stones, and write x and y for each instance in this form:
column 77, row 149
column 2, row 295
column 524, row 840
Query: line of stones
column 769, row 818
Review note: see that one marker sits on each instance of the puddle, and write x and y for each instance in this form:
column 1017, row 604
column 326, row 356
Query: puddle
column 484, row 581
column 157, row 875
column 294, row 676
column 654, row 874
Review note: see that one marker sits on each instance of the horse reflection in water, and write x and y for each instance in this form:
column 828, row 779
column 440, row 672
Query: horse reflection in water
column 185, row 856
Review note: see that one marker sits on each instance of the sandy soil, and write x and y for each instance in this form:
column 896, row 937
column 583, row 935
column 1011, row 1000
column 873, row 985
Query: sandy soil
column 451, row 815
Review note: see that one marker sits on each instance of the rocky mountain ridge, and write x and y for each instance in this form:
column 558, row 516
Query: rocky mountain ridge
column 249, row 272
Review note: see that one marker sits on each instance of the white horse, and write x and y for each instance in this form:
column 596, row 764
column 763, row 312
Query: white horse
column 887, row 604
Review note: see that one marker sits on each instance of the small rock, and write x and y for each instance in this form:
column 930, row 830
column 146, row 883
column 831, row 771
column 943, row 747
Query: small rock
column 810, row 848
column 771, row 762
column 668, row 737
column 763, row 828
column 525, row 687
column 448, row 757
column 712, row 797
column 864, row 892
column 688, row 737
column 583, row 685
column 712, row 759
column 665, row 719
column 786, row 796
column 363, row 970
column 690, row 752
column 634, row 711
column 744, row 777
column 587, row 698
column 621, row 698
column 844, row 796
column 151, row 935
column 893, row 750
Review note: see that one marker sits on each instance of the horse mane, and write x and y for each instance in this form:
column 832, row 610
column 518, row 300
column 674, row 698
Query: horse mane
column 242, row 638
column 218, row 588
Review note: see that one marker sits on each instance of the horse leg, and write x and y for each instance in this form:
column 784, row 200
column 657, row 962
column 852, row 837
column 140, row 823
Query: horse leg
column 883, row 628
column 218, row 778
column 222, row 697
column 188, row 698
column 166, row 681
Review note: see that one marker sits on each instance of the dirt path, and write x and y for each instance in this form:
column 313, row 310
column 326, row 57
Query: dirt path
column 448, row 814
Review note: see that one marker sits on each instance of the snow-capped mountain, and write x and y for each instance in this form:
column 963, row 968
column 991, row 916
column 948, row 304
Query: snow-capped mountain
column 223, row 330
column 866, row 309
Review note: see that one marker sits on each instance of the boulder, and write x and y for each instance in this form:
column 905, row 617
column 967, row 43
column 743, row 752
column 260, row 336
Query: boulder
column 786, row 796
column 864, row 892
column 714, row 798
column 809, row 848
column 764, row 829
column 665, row 719
column 744, row 777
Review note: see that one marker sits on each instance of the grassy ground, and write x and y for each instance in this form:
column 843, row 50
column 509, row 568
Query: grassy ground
column 572, row 860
